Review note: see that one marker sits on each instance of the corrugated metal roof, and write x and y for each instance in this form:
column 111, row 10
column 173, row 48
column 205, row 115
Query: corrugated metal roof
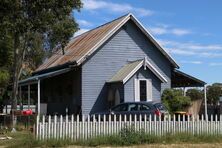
column 85, row 44
column 35, row 78
column 80, row 45
column 125, row 71
column 181, row 79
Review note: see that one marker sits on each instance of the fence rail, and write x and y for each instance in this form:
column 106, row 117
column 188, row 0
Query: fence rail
column 84, row 127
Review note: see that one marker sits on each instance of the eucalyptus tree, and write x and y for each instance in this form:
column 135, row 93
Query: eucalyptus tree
column 51, row 20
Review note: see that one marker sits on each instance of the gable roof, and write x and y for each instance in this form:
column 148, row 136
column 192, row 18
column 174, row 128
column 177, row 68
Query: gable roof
column 127, row 71
column 85, row 44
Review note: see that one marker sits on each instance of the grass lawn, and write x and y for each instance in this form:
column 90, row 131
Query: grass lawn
column 27, row 140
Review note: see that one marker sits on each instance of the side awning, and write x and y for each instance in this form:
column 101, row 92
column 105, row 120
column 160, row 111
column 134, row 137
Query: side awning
column 35, row 78
column 127, row 71
column 181, row 79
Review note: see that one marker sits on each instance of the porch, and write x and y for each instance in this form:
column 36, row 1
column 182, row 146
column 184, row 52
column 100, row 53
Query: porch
column 57, row 92
column 183, row 81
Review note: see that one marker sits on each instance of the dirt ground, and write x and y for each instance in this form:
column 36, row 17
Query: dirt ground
column 207, row 145
column 214, row 145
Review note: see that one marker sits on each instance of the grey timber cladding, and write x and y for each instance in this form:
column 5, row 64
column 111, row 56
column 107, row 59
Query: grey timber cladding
column 127, row 44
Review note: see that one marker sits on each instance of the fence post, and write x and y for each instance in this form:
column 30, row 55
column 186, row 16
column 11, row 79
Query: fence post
column 155, row 125
column 104, row 124
column 109, row 125
column 99, row 124
column 49, row 130
column 174, row 124
column 150, row 124
column 37, row 127
column 66, row 127
column 43, row 125
column 216, row 126
column 72, row 122
column 145, row 123
column 77, row 127
column 60, row 127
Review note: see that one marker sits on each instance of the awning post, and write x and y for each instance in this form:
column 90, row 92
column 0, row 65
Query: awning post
column 38, row 97
column 205, row 101
column 29, row 96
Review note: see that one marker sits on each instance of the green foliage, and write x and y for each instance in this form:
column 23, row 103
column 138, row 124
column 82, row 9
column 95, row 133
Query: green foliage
column 174, row 100
column 6, row 50
column 28, row 27
column 214, row 92
column 195, row 94
column 6, row 57
column 4, row 77
column 51, row 18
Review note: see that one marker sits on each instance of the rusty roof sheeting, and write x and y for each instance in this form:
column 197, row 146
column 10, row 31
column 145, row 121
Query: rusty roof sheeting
column 80, row 45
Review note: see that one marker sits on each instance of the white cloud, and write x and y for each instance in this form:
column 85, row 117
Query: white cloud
column 169, row 30
column 192, row 49
column 84, row 23
column 180, row 32
column 215, row 64
column 192, row 62
column 81, row 31
column 180, row 52
column 158, row 30
column 115, row 7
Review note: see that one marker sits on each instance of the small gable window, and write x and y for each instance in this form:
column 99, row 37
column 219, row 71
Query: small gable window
column 143, row 90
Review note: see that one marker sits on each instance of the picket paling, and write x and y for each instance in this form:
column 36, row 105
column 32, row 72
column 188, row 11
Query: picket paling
column 85, row 126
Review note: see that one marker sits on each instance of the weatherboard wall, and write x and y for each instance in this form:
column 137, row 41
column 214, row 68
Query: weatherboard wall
column 127, row 44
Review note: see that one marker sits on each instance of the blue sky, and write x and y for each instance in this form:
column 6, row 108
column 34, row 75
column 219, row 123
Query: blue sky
column 190, row 31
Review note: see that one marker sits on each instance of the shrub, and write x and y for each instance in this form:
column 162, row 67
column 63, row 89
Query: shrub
column 174, row 100
column 194, row 94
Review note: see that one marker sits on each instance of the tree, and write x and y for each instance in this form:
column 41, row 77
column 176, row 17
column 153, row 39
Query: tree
column 214, row 92
column 24, row 19
column 174, row 100
column 194, row 94
column 5, row 62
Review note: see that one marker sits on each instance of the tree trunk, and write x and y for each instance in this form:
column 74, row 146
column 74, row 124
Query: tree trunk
column 19, row 55
column 15, row 79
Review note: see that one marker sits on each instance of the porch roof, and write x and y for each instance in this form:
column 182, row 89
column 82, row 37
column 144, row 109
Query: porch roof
column 127, row 71
column 181, row 79
column 35, row 78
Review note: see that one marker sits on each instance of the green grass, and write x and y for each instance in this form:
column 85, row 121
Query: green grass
column 126, row 137
column 25, row 139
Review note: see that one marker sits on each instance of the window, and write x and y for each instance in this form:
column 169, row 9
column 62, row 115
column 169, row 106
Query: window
column 143, row 90
column 133, row 107
column 119, row 108
column 144, row 107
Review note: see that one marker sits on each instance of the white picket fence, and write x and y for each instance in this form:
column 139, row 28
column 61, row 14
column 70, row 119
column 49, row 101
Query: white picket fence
column 73, row 127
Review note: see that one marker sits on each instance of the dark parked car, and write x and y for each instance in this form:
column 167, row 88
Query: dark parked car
column 134, row 109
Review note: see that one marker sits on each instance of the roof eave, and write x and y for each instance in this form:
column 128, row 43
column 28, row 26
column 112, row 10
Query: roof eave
column 68, row 64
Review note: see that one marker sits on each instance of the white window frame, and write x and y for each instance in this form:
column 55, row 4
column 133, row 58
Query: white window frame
column 137, row 89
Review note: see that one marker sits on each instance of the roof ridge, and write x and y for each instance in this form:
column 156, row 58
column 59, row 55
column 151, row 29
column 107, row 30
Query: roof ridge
column 102, row 25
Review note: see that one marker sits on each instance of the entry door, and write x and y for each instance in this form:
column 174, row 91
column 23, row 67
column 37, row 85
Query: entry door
column 143, row 90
